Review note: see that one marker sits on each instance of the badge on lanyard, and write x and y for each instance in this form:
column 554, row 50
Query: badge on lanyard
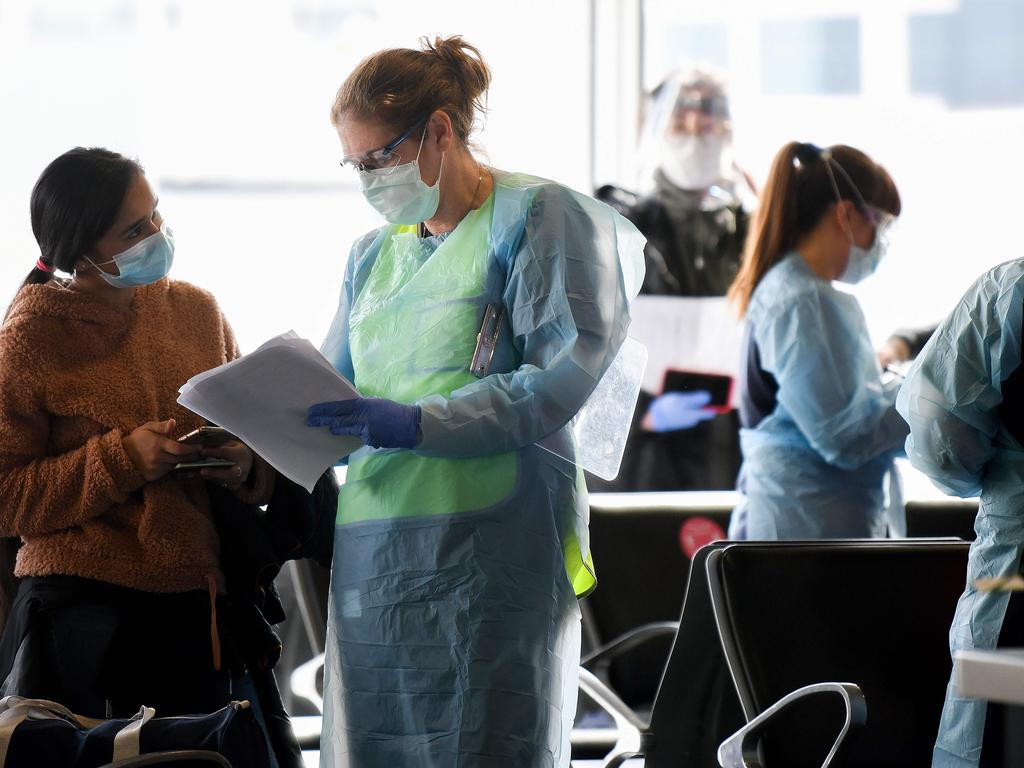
column 487, row 340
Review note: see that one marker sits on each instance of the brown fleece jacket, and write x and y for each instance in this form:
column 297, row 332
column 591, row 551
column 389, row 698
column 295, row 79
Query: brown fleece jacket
column 77, row 375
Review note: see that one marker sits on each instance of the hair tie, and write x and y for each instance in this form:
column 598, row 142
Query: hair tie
column 42, row 266
column 807, row 153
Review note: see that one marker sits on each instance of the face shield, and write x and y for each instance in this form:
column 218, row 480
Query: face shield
column 687, row 135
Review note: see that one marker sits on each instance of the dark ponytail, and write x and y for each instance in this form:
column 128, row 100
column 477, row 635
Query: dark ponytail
column 74, row 202
column 801, row 188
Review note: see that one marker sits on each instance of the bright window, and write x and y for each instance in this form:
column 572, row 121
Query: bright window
column 932, row 89
column 226, row 104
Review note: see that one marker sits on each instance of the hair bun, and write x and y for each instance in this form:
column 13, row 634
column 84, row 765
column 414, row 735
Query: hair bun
column 465, row 63
column 401, row 86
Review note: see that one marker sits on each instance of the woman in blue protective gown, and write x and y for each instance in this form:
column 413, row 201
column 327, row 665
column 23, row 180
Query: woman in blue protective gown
column 475, row 324
column 963, row 399
column 819, row 426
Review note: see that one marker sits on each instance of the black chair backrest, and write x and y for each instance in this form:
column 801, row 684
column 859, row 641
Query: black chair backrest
column 952, row 517
column 642, row 573
column 696, row 707
column 874, row 613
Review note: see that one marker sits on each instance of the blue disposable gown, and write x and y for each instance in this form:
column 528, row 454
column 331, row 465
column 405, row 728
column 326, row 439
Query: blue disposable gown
column 490, row 678
column 951, row 398
column 815, row 467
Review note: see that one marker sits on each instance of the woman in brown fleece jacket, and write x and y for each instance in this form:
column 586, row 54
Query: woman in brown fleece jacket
column 120, row 559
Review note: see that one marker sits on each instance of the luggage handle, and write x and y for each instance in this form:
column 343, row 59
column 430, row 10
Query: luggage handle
column 127, row 741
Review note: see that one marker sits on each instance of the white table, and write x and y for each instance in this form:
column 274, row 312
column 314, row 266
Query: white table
column 993, row 675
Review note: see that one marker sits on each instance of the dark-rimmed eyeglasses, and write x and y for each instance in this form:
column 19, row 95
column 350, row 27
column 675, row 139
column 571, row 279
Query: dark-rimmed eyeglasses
column 385, row 159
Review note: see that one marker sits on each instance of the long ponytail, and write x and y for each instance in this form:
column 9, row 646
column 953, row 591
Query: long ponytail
column 799, row 190
column 774, row 228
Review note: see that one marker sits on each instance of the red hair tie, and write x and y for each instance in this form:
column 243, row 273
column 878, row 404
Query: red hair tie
column 42, row 266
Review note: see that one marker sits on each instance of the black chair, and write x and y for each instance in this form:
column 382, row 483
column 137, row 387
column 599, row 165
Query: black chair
column 695, row 707
column 642, row 572
column 852, row 619
column 185, row 758
column 949, row 517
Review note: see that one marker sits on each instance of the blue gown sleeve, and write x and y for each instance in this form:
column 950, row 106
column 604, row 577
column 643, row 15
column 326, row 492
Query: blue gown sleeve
column 567, row 297
column 336, row 346
column 952, row 393
column 829, row 381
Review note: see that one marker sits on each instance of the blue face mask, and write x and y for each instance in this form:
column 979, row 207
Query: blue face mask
column 863, row 263
column 143, row 263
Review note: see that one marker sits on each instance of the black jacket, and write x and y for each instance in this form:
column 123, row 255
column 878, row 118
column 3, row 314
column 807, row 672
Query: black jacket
column 693, row 248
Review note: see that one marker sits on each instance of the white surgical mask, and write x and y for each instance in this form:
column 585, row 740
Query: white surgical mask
column 863, row 263
column 399, row 194
column 693, row 162
column 145, row 262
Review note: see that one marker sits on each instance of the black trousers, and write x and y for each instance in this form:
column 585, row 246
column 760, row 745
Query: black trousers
column 103, row 650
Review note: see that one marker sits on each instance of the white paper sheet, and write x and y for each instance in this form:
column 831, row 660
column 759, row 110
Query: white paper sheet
column 263, row 398
column 695, row 334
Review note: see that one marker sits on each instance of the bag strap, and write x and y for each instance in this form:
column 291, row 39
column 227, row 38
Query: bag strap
column 127, row 741
column 14, row 710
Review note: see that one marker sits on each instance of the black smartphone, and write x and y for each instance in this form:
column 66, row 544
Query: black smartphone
column 207, row 436
column 210, row 463
column 719, row 385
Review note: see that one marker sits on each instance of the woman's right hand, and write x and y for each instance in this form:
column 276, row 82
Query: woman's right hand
column 152, row 452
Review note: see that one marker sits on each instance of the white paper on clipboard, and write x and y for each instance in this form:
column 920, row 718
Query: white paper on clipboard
column 680, row 332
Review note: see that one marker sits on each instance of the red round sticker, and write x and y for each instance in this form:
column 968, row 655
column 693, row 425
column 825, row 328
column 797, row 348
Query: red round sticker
column 696, row 532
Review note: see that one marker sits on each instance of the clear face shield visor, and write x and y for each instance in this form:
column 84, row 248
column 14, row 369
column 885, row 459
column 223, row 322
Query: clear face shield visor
column 882, row 221
column 686, row 133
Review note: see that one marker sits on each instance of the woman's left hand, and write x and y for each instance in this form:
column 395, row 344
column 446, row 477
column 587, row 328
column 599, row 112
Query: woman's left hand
column 374, row 420
column 229, row 477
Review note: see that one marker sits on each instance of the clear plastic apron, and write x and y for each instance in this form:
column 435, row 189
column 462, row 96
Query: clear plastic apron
column 453, row 629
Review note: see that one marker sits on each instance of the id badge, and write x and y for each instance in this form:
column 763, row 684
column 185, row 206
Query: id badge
column 487, row 340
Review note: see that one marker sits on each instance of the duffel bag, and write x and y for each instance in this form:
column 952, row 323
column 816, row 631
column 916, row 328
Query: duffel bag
column 36, row 733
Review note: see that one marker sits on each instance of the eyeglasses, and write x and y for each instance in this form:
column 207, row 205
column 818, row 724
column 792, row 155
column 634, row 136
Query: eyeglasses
column 880, row 220
column 385, row 159
column 712, row 105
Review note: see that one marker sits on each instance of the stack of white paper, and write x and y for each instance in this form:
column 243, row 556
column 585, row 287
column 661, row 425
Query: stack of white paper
column 263, row 398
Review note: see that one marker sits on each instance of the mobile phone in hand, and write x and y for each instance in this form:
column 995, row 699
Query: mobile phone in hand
column 719, row 386
column 207, row 436
column 209, row 463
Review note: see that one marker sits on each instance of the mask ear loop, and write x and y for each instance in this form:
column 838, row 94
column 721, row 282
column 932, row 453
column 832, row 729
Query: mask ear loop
column 423, row 137
column 417, row 160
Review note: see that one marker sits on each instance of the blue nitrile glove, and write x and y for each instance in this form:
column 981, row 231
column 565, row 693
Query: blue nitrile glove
column 376, row 421
column 678, row 410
